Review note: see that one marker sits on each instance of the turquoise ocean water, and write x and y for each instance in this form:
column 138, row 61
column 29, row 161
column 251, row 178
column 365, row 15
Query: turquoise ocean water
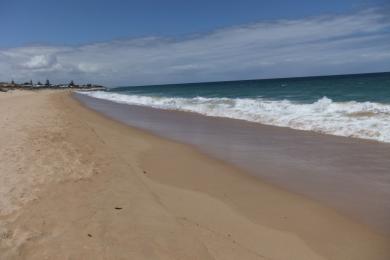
column 358, row 87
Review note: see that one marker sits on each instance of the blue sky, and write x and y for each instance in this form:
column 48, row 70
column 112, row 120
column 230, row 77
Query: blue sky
column 150, row 42
column 86, row 21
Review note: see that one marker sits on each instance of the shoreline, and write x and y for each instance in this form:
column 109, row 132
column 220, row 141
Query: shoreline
column 222, row 118
column 123, row 192
column 360, row 120
column 343, row 173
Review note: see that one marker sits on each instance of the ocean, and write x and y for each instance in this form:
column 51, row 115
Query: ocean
column 346, row 105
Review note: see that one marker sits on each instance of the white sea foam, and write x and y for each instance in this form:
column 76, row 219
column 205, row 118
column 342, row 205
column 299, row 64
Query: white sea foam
column 365, row 120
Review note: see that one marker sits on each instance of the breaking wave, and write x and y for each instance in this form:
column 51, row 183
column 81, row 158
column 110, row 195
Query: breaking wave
column 365, row 120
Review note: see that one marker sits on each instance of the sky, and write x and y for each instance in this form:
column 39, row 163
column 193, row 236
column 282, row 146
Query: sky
column 119, row 43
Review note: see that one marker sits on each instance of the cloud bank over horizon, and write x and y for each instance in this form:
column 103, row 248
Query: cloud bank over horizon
column 350, row 43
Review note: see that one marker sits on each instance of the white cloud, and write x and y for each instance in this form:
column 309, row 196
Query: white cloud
column 350, row 43
column 43, row 61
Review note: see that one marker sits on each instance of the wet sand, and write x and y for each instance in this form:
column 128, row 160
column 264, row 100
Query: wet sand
column 350, row 175
column 83, row 186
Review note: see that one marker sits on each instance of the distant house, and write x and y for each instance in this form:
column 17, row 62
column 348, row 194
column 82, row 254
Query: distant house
column 27, row 84
column 39, row 84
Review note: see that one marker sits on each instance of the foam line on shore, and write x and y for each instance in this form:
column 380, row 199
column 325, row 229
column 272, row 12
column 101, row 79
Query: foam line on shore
column 366, row 120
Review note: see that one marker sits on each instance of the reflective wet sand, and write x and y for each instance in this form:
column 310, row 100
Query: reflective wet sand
column 348, row 174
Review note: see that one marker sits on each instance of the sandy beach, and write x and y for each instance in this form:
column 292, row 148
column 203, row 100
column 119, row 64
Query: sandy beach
column 78, row 185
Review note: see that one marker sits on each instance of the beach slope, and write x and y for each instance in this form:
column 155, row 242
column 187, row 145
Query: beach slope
column 77, row 185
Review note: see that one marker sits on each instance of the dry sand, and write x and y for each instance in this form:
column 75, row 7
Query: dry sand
column 77, row 185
